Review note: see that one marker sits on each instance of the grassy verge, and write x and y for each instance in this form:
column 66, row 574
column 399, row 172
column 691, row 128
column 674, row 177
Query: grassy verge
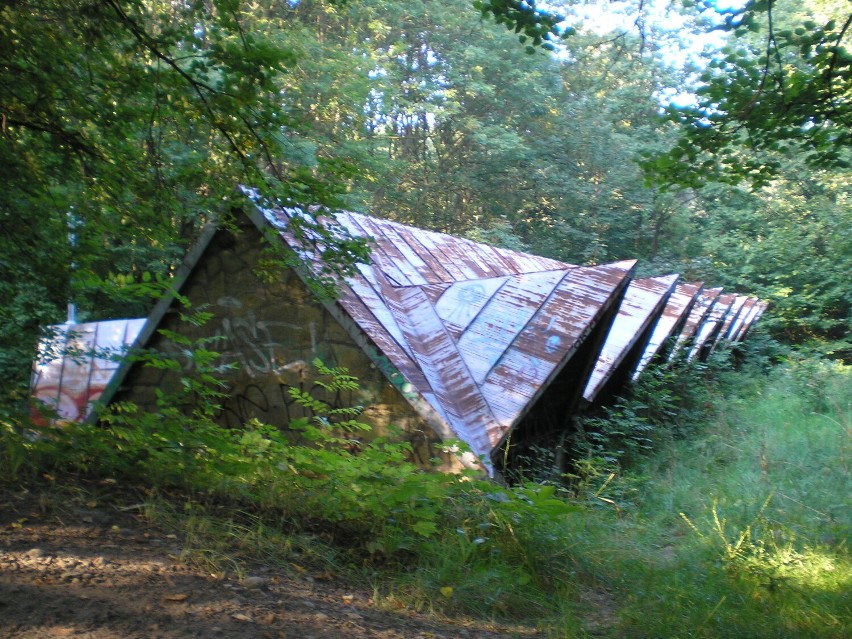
column 740, row 530
column 736, row 529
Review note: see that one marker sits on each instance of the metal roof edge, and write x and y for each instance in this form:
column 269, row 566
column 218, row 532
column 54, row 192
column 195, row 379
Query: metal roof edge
column 610, row 306
column 415, row 398
column 689, row 331
column 156, row 316
column 645, row 329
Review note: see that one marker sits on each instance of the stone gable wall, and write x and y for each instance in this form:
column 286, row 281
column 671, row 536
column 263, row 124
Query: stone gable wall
column 269, row 333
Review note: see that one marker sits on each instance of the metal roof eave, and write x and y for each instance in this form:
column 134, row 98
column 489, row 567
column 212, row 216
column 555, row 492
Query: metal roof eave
column 156, row 315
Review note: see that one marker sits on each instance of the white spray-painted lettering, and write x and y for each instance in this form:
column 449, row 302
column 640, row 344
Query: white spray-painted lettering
column 247, row 341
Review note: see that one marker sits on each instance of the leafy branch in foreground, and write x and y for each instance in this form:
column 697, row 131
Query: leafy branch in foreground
column 538, row 26
column 136, row 120
column 783, row 85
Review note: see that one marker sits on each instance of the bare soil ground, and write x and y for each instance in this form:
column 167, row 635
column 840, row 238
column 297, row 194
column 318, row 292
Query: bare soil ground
column 96, row 571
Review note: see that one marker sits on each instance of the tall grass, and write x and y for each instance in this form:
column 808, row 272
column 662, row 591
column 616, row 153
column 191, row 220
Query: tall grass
column 736, row 528
column 740, row 530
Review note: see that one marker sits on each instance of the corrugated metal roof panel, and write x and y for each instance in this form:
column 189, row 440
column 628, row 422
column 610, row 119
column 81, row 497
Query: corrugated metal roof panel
column 387, row 256
column 444, row 253
column 526, row 263
column 554, row 333
column 761, row 309
column 434, row 269
column 506, row 261
column 746, row 312
column 369, row 310
column 438, row 358
column 754, row 312
column 718, row 336
column 736, row 309
column 501, row 320
column 643, row 303
column 462, row 302
column 696, row 316
column 484, row 364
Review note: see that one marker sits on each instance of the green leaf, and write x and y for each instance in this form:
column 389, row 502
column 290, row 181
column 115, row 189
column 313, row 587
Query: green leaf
column 425, row 528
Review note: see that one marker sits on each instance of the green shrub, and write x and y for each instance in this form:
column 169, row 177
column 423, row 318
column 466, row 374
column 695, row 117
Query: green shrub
column 605, row 544
column 668, row 401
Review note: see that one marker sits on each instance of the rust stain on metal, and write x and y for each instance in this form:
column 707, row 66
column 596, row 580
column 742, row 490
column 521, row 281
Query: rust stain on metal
column 700, row 309
column 711, row 325
column 670, row 322
column 733, row 315
column 551, row 337
column 746, row 313
column 642, row 305
column 754, row 311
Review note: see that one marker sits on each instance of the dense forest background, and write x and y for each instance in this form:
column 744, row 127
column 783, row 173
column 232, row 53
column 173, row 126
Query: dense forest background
column 707, row 501
column 126, row 124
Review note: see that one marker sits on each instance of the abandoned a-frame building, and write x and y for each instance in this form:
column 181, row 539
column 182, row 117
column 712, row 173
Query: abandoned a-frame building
column 450, row 339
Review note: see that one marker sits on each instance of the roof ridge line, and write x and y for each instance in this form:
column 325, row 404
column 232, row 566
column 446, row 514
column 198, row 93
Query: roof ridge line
column 492, row 277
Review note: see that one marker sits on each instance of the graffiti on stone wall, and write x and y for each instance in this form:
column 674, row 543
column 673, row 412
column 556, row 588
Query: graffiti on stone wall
column 272, row 403
column 248, row 342
column 244, row 342
column 261, row 376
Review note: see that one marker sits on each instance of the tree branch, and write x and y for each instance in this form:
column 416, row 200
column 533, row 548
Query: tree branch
column 833, row 63
column 196, row 85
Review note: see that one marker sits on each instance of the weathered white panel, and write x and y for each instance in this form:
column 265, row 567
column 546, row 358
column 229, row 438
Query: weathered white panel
column 462, row 302
column 642, row 303
column 502, row 318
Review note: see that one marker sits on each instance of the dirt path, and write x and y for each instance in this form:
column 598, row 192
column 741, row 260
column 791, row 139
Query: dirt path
column 92, row 571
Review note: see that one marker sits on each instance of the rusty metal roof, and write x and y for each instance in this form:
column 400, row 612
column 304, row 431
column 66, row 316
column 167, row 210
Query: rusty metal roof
column 76, row 364
column 747, row 311
column 733, row 308
column 671, row 321
column 761, row 309
column 733, row 315
column 642, row 305
column 703, row 303
column 751, row 317
column 472, row 332
column 709, row 329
